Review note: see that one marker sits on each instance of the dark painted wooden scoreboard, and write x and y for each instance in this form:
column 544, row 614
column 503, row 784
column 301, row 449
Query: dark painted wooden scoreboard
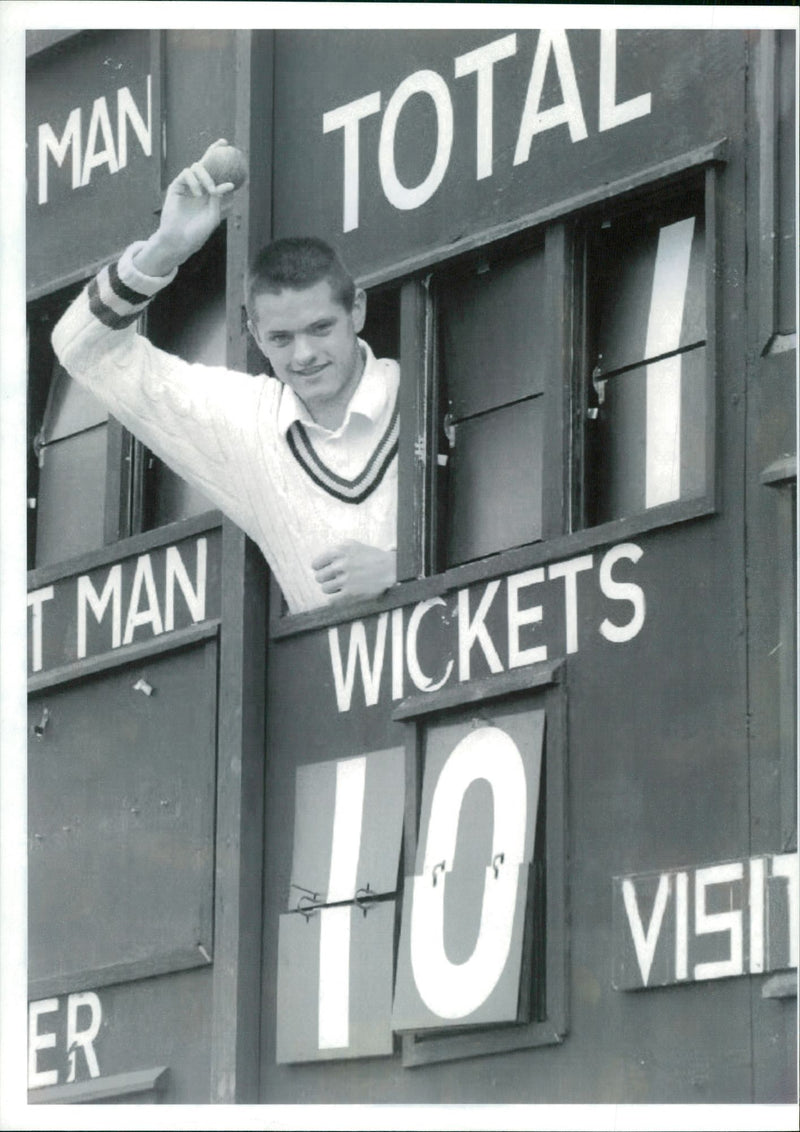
column 523, row 829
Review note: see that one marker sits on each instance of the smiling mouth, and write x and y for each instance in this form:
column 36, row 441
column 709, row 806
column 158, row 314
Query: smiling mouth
column 311, row 372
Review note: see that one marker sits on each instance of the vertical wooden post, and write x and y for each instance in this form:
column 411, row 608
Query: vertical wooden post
column 556, row 457
column 236, row 999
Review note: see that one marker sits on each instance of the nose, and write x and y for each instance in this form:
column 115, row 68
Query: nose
column 304, row 352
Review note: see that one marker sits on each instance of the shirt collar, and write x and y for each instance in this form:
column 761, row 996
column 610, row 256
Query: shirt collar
column 368, row 400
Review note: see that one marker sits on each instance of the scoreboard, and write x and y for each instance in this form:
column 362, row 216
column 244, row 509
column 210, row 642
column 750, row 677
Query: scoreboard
column 523, row 829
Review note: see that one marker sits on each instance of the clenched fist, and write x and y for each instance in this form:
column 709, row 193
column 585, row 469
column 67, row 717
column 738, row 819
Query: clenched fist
column 352, row 570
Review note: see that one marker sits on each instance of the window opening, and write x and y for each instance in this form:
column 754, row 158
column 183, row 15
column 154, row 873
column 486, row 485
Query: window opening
column 67, row 432
column 645, row 359
column 491, row 348
column 467, row 856
column 189, row 320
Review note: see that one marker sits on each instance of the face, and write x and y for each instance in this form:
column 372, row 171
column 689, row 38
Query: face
column 310, row 340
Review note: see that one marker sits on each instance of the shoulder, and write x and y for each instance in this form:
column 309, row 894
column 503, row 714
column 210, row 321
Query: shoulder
column 388, row 372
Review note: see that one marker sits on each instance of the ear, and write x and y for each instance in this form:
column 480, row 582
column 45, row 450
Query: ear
column 267, row 363
column 359, row 311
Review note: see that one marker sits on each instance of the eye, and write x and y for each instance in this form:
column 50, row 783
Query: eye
column 320, row 329
column 279, row 339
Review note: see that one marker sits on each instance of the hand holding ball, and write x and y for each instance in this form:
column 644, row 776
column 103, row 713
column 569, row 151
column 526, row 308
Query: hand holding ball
column 226, row 163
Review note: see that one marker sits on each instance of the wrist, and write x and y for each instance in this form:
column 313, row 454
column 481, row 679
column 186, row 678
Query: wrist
column 158, row 257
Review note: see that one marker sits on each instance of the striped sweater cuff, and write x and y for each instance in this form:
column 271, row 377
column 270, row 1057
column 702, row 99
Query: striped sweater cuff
column 120, row 292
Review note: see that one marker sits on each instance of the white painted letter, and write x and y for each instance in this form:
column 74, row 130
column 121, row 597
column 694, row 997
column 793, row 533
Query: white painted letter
column 681, row 925
column 358, row 654
column 195, row 596
column 570, row 111
column 663, row 396
column 707, row 923
column 611, row 113
column 87, row 593
column 397, row 654
column 420, row 679
column 421, row 82
column 481, row 61
column 347, row 118
column 107, row 156
column 786, row 865
column 35, row 602
column 645, row 942
column 49, row 144
column 518, row 617
column 756, row 901
column 622, row 591
column 568, row 571
column 127, row 111
column 334, row 941
column 469, row 632
column 83, row 1038
column 456, row 990
column 151, row 615
column 38, row 1078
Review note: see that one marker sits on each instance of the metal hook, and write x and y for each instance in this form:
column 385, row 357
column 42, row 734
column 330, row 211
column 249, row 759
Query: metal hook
column 311, row 907
column 40, row 727
column 438, row 869
column 599, row 385
column 449, row 429
column 497, row 861
column 366, row 898
column 308, row 894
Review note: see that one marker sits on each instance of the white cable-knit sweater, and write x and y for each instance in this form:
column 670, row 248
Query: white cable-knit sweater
column 246, row 441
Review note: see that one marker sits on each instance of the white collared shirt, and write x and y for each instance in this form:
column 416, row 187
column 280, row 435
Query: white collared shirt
column 246, row 441
column 347, row 448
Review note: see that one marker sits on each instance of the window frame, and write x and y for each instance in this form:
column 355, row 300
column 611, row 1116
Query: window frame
column 703, row 183
column 127, row 505
column 543, row 687
column 562, row 533
column 555, row 239
column 43, row 312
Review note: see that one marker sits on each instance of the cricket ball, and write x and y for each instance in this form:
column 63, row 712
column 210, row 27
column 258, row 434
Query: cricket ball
column 226, row 163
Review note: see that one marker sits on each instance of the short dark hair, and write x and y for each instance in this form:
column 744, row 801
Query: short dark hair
column 295, row 263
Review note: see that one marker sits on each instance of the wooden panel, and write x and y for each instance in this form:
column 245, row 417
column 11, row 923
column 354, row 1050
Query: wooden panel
column 690, row 77
column 362, row 796
column 624, row 449
column 99, row 95
column 70, row 408
column 786, row 176
column 640, row 286
column 140, row 1086
column 236, row 1005
column 328, row 1009
column 113, row 1045
column 493, row 339
column 199, row 94
column 71, row 499
column 475, row 846
column 98, row 606
column 121, row 848
column 417, row 397
column 495, row 491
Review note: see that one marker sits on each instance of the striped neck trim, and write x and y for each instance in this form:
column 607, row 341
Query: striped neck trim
column 348, row 491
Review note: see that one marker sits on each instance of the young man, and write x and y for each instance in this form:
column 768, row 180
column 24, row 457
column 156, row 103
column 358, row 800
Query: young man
column 305, row 461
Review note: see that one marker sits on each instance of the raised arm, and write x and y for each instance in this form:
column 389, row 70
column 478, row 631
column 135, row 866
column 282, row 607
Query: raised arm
column 191, row 212
column 185, row 412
